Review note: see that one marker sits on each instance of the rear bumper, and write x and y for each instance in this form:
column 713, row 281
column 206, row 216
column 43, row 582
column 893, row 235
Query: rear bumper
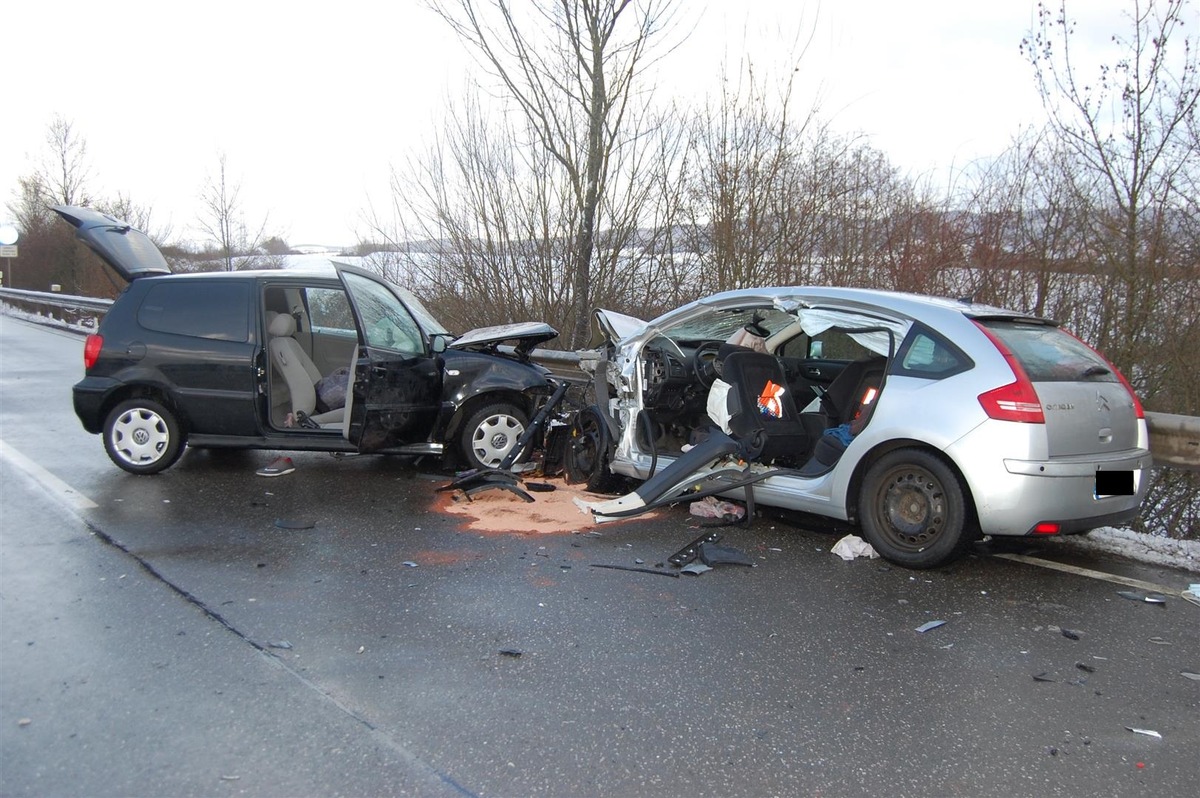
column 1014, row 494
column 89, row 396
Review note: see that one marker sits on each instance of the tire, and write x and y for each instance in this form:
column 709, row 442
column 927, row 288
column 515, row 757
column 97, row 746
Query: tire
column 142, row 436
column 587, row 454
column 912, row 509
column 491, row 433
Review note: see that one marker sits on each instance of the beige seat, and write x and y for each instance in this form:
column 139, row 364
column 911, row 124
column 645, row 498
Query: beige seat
column 299, row 372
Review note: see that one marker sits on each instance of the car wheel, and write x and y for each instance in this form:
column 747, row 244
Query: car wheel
column 912, row 509
column 142, row 436
column 587, row 457
column 491, row 433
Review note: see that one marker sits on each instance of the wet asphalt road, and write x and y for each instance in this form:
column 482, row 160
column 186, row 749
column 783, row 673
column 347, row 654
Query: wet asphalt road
column 162, row 635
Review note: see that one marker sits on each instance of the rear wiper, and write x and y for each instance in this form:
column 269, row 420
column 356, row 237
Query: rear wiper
column 1095, row 371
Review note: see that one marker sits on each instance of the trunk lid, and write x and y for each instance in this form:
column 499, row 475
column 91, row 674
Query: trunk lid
column 129, row 252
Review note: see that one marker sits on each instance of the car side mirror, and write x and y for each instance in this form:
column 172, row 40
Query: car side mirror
column 439, row 343
column 816, row 349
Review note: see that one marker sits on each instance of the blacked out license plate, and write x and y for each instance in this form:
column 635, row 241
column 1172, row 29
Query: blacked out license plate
column 1114, row 483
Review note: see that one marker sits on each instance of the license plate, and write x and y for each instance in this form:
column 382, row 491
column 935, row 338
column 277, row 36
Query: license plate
column 1114, row 483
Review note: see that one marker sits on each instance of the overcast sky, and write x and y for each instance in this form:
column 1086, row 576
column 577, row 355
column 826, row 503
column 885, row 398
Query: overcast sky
column 313, row 102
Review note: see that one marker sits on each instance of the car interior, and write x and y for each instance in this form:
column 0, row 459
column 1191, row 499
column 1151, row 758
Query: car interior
column 310, row 360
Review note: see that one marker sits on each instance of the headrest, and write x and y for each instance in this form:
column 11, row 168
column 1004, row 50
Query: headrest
column 282, row 326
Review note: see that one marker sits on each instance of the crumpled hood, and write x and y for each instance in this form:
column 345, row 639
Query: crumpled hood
column 524, row 336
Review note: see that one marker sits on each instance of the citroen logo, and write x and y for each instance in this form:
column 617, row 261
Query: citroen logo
column 1101, row 402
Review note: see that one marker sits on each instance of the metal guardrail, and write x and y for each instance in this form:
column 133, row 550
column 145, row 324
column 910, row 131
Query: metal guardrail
column 1174, row 439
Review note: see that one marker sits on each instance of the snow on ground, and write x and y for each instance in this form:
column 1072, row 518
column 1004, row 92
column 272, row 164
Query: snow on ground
column 1155, row 549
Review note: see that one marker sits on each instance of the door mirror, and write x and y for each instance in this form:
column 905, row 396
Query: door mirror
column 439, row 342
column 816, row 349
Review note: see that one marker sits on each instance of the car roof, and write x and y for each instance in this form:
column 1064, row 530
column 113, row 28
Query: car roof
column 908, row 304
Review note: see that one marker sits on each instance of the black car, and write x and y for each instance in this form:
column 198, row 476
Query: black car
column 336, row 360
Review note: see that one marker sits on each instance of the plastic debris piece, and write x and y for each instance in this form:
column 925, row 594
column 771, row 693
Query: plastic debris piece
column 1195, row 677
column 1158, row 641
column 511, row 652
column 23, row 722
column 635, row 569
column 1148, row 598
column 1042, row 677
column 540, row 487
column 1083, row 666
column 713, row 554
column 695, row 568
column 294, row 523
column 285, row 645
column 925, row 627
column 712, row 507
column 1071, row 634
column 1147, row 732
column 852, row 546
column 410, row 564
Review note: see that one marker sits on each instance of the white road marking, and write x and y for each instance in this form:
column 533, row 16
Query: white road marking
column 1088, row 572
column 52, row 484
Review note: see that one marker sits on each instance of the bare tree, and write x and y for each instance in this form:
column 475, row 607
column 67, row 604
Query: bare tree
column 570, row 67
column 223, row 219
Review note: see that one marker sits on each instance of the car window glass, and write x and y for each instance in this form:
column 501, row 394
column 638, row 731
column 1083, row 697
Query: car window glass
column 1048, row 354
column 219, row 310
column 833, row 344
column 386, row 322
column 329, row 311
column 925, row 354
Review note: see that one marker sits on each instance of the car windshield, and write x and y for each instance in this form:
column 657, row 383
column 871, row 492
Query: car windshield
column 426, row 319
column 720, row 324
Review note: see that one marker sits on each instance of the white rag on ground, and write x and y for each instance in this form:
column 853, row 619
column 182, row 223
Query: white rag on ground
column 852, row 546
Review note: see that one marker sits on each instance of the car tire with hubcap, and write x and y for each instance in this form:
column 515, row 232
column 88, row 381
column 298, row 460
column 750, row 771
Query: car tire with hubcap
column 142, row 436
column 913, row 510
column 491, row 433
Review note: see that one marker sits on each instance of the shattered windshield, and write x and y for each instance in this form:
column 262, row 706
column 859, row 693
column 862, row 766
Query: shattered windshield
column 720, row 324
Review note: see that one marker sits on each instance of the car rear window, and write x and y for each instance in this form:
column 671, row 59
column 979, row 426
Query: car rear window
column 217, row 310
column 1049, row 354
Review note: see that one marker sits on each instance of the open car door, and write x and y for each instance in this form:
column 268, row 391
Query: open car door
column 397, row 382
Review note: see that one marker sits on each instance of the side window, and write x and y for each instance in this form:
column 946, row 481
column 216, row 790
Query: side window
column 930, row 356
column 329, row 311
column 219, row 310
column 387, row 324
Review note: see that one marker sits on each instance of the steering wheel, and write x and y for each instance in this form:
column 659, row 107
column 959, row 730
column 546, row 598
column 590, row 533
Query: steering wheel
column 704, row 362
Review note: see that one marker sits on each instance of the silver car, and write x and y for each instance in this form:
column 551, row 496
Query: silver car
column 928, row 422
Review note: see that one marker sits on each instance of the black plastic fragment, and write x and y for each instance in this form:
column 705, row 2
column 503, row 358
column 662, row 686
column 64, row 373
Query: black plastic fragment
column 712, row 554
column 689, row 552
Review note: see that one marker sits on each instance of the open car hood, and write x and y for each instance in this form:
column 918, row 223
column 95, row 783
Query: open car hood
column 129, row 252
column 524, row 335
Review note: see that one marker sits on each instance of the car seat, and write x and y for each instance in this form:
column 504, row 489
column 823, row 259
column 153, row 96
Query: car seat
column 299, row 372
column 761, row 408
column 842, row 400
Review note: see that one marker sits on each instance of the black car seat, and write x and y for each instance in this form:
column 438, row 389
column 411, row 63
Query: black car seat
column 761, row 406
column 842, row 400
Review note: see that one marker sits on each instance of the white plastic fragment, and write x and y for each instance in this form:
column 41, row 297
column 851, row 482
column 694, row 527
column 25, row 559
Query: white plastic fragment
column 925, row 627
column 1147, row 732
column 852, row 546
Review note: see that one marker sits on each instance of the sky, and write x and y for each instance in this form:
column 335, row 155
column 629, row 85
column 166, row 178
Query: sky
column 313, row 103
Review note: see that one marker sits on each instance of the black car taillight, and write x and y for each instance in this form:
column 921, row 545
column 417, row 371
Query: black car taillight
column 91, row 350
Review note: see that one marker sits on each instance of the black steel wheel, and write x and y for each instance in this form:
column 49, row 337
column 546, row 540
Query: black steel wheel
column 913, row 510
column 587, row 453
